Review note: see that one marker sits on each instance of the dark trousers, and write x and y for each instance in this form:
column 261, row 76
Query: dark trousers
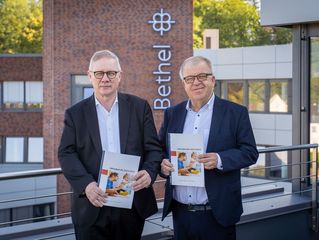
column 199, row 225
column 113, row 223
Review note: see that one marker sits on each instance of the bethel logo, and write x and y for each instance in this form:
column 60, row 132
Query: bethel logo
column 161, row 22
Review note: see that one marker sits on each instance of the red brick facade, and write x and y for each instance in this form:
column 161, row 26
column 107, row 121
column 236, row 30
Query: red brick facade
column 75, row 29
column 24, row 67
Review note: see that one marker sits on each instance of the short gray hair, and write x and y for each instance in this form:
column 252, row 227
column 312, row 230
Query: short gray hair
column 104, row 54
column 194, row 61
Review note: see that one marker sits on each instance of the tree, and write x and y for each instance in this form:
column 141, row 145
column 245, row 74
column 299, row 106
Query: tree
column 21, row 26
column 238, row 23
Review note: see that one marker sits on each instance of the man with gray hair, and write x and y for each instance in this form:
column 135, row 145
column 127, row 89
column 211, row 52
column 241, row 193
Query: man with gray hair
column 209, row 212
column 115, row 122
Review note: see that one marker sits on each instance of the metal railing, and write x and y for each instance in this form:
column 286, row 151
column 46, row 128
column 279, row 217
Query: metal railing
column 313, row 189
column 313, row 186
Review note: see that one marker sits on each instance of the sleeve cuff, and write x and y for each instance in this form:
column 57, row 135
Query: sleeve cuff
column 162, row 175
column 219, row 162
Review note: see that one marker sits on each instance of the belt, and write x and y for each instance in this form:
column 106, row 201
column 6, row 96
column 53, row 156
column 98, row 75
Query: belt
column 192, row 207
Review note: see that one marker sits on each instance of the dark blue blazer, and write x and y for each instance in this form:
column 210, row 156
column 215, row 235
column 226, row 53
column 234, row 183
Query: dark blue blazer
column 230, row 136
column 80, row 152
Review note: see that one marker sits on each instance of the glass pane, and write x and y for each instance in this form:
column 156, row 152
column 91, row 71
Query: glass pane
column 278, row 161
column 258, row 169
column 35, row 149
column 43, row 210
column 235, row 92
column 223, row 89
column 21, row 213
column 87, row 92
column 278, row 101
column 5, row 217
column 34, row 94
column 13, row 94
column 256, row 93
column 314, row 90
column 80, row 88
column 14, row 149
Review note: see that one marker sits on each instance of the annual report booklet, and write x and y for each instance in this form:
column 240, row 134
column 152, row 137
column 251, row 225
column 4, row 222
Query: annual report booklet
column 116, row 177
column 184, row 151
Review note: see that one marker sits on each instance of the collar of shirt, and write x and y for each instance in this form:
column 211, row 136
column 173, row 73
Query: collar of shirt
column 97, row 102
column 109, row 126
column 209, row 105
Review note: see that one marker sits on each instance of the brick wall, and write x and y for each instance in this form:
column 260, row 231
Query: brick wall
column 20, row 67
column 75, row 29
column 26, row 67
column 21, row 124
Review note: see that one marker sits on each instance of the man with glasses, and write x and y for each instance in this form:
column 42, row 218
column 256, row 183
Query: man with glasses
column 115, row 122
column 209, row 212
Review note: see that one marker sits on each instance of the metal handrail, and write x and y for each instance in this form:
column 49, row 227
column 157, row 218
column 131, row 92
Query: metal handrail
column 287, row 148
column 56, row 171
column 31, row 173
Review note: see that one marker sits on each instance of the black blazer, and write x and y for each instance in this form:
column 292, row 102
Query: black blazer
column 80, row 152
column 231, row 136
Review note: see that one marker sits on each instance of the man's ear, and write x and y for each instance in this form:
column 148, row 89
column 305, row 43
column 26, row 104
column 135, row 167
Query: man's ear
column 214, row 80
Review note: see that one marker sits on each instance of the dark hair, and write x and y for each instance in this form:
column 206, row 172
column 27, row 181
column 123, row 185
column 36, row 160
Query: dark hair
column 181, row 154
column 115, row 174
column 193, row 154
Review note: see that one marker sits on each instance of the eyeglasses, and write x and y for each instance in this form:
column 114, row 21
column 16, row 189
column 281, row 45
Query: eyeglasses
column 200, row 77
column 100, row 74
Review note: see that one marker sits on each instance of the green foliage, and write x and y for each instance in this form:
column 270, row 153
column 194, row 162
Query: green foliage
column 21, row 26
column 238, row 23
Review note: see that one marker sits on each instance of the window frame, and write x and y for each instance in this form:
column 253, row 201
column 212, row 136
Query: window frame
column 222, row 91
column 23, row 150
column 27, row 155
column 25, row 107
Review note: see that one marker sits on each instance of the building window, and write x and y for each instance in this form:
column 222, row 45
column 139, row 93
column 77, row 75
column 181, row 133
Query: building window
column 21, row 213
column 256, row 96
column 13, row 95
column 14, row 149
column 279, row 162
column 87, row 92
column 235, row 92
column 21, row 150
column 257, row 169
column 34, row 95
column 42, row 210
column 21, row 96
column 31, row 214
column 269, row 166
column 5, row 217
column 81, row 88
column 35, row 150
column 278, row 101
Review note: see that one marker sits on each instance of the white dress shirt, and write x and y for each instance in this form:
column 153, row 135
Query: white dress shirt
column 109, row 126
column 196, row 123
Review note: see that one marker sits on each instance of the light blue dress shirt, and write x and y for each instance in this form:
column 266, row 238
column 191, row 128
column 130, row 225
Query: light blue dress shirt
column 196, row 123
column 109, row 126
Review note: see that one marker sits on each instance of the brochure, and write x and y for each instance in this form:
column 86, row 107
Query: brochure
column 184, row 149
column 116, row 178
